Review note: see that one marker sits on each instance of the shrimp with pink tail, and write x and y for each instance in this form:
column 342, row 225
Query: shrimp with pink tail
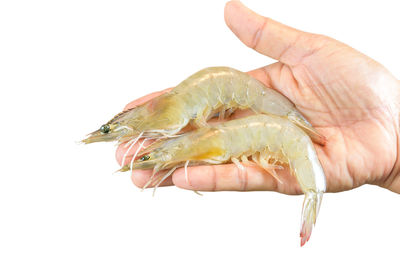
column 271, row 142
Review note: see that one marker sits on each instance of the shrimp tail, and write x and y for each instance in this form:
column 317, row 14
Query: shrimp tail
column 300, row 121
column 311, row 205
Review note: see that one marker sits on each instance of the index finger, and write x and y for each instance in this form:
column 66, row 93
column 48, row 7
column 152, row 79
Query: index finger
column 145, row 98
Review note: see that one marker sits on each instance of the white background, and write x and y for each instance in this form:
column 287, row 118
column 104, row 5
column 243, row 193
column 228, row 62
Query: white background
column 66, row 67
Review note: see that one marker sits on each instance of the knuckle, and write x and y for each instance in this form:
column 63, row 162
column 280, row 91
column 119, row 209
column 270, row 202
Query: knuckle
column 255, row 40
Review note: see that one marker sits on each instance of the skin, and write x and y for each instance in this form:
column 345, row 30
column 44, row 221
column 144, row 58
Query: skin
column 348, row 97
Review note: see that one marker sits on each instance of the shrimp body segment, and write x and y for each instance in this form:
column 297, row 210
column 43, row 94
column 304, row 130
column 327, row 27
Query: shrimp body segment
column 269, row 140
column 204, row 94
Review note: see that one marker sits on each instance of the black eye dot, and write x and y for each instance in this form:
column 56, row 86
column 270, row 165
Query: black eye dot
column 105, row 128
column 145, row 157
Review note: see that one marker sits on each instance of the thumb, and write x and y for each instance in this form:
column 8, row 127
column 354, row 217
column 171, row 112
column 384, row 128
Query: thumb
column 267, row 36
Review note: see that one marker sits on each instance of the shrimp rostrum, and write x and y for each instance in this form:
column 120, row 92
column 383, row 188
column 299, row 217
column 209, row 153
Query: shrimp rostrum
column 206, row 93
column 269, row 141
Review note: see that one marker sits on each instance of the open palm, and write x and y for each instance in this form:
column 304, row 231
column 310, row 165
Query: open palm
column 348, row 97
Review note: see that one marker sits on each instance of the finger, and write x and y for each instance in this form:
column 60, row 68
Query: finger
column 145, row 98
column 228, row 178
column 141, row 177
column 267, row 36
column 261, row 75
column 279, row 77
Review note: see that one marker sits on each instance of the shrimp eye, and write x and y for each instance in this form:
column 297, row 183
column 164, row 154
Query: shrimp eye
column 105, row 128
column 144, row 158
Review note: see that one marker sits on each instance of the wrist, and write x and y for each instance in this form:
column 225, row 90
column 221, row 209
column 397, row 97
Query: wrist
column 393, row 181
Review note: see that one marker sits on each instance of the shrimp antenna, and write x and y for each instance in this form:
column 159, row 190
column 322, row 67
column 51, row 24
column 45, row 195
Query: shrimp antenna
column 163, row 179
column 187, row 178
column 137, row 151
column 155, row 171
column 186, row 175
column 133, row 142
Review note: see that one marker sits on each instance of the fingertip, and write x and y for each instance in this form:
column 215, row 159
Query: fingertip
column 266, row 36
column 229, row 6
column 243, row 22
column 229, row 11
column 141, row 177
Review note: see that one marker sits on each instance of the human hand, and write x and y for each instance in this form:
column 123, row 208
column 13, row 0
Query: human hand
column 348, row 97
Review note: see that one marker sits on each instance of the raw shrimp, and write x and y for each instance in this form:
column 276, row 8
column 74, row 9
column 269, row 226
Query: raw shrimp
column 270, row 141
column 206, row 93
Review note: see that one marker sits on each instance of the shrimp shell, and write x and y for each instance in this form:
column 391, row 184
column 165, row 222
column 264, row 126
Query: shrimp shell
column 271, row 141
column 208, row 92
